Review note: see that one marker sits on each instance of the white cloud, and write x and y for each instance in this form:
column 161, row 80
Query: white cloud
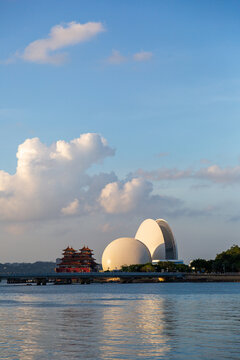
column 44, row 50
column 49, row 177
column 120, row 198
column 53, row 198
column 136, row 197
column 214, row 173
column 116, row 58
column 143, row 56
column 71, row 208
column 53, row 181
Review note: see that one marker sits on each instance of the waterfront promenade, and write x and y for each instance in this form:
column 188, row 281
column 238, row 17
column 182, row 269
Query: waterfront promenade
column 42, row 279
column 91, row 276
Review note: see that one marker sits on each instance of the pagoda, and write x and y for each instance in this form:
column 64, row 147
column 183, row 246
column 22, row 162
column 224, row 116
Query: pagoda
column 74, row 261
column 87, row 260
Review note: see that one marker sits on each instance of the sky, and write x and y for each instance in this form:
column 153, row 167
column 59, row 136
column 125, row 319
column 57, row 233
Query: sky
column 112, row 112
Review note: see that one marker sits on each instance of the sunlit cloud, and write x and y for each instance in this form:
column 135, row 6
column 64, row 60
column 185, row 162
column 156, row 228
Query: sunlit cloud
column 53, row 182
column 44, row 51
column 117, row 197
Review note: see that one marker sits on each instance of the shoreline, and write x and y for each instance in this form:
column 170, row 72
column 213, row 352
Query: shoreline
column 121, row 277
column 187, row 278
column 212, row 277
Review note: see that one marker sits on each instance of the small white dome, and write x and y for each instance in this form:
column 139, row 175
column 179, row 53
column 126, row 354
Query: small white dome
column 159, row 253
column 124, row 251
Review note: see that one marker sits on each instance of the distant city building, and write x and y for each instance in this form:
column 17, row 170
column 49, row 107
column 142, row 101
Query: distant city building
column 76, row 261
column 154, row 241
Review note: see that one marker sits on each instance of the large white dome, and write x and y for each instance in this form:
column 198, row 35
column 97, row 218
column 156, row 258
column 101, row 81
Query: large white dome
column 124, row 251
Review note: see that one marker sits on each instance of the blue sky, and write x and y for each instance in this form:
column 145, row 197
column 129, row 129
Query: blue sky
column 174, row 110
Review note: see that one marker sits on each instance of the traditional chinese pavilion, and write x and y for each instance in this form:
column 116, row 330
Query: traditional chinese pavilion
column 77, row 261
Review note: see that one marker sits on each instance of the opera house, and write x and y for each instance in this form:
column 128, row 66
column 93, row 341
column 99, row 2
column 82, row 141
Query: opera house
column 154, row 241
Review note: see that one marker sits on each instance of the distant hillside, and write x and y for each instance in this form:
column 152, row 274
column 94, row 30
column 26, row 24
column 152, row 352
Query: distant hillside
column 39, row 267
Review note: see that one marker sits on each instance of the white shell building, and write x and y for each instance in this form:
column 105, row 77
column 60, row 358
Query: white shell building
column 154, row 240
column 171, row 252
column 158, row 237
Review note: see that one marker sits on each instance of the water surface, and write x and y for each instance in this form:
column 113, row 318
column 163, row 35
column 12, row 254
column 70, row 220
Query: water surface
column 120, row 321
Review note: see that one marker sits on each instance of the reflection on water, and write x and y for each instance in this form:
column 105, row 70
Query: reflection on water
column 120, row 321
column 138, row 330
column 20, row 329
column 78, row 332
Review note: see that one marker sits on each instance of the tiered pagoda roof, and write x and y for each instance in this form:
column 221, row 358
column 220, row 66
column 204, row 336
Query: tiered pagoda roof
column 77, row 261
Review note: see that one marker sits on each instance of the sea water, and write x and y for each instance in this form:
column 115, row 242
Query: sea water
column 120, row 321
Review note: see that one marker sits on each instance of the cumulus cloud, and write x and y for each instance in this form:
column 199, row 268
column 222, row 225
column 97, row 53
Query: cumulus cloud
column 135, row 198
column 48, row 178
column 120, row 197
column 53, row 188
column 43, row 51
column 143, row 56
column 53, row 182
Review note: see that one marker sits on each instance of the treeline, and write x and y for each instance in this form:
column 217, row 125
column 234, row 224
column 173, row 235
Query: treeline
column 227, row 261
column 160, row 266
column 39, row 267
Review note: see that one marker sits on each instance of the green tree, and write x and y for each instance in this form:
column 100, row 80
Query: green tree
column 148, row 268
column 200, row 265
column 132, row 268
column 183, row 268
column 229, row 260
